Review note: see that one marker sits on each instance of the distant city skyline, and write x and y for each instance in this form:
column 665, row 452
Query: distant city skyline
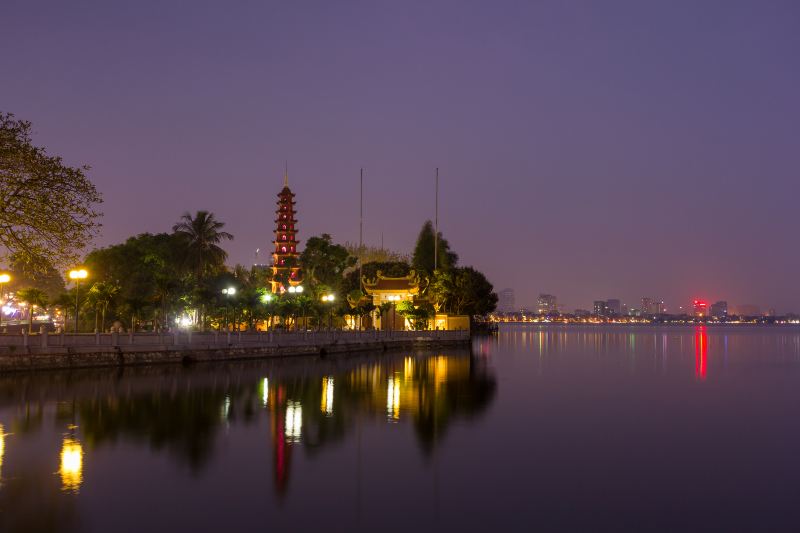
column 657, row 305
column 585, row 150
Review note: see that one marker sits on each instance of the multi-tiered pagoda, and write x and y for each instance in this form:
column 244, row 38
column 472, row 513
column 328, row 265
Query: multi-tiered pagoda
column 285, row 264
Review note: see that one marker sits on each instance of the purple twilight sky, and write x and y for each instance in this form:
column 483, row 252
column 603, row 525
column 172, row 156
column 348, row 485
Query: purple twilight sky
column 586, row 149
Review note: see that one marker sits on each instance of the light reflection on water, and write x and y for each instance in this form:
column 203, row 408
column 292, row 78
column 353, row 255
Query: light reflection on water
column 561, row 428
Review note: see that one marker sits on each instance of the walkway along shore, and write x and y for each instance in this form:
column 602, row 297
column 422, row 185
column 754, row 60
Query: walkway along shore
column 57, row 351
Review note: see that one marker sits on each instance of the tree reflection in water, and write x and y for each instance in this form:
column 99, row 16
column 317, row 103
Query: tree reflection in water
column 309, row 402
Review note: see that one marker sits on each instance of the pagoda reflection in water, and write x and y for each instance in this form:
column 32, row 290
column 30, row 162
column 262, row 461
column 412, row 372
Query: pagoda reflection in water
column 427, row 391
column 305, row 403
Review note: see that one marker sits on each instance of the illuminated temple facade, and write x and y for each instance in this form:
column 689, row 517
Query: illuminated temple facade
column 285, row 257
column 411, row 288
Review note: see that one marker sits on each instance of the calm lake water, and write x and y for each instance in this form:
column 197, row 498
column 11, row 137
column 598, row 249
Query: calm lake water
column 546, row 428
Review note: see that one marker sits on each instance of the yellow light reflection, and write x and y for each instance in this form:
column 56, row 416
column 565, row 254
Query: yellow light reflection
column 2, row 449
column 393, row 399
column 440, row 371
column 71, row 465
column 326, row 405
column 226, row 408
column 408, row 367
column 265, row 392
column 294, row 421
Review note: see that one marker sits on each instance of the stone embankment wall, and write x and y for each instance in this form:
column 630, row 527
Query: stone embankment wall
column 138, row 350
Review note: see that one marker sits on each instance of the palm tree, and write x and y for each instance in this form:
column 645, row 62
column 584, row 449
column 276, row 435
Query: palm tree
column 65, row 302
column 92, row 303
column 34, row 298
column 201, row 236
column 101, row 294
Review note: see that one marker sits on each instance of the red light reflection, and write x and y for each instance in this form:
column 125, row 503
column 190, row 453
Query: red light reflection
column 700, row 352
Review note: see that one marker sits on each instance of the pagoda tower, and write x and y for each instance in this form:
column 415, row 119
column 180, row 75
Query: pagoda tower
column 285, row 258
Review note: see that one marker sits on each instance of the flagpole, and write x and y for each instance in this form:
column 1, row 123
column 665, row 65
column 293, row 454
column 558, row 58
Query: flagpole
column 436, row 225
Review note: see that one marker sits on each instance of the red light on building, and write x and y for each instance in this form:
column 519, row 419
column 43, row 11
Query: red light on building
column 700, row 308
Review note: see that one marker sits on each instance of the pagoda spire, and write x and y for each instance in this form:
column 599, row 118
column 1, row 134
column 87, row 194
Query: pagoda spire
column 285, row 269
column 286, row 173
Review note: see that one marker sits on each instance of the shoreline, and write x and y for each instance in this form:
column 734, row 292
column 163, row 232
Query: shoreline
column 123, row 356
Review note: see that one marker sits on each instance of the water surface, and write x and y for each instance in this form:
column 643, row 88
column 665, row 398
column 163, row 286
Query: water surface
column 539, row 428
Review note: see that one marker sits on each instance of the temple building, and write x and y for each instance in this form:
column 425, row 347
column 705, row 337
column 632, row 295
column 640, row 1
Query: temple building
column 285, row 257
column 384, row 289
column 411, row 288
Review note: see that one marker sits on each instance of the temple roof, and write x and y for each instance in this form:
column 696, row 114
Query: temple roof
column 411, row 284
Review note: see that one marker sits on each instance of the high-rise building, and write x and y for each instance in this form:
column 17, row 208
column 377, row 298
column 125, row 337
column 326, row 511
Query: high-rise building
column 600, row 308
column 546, row 304
column 719, row 309
column 700, row 308
column 285, row 266
column 614, row 307
column 651, row 306
column 506, row 303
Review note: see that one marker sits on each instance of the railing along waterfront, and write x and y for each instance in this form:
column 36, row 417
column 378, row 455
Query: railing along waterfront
column 10, row 342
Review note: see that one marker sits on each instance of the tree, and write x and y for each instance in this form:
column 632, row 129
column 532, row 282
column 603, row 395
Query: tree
column 145, row 267
column 324, row 262
column 101, row 295
column 417, row 315
column 424, row 251
column 200, row 237
column 375, row 254
column 64, row 302
column 34, row 298
column 441, row 289
column 47, row 209
column 462, row 290
column 472, row 293
column 47, row 279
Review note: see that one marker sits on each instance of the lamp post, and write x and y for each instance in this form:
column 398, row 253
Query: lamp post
column 296, row 290
column 4, row 278
column 266, row 298
column 329, row 299
column 77, row 275
column 230, row 291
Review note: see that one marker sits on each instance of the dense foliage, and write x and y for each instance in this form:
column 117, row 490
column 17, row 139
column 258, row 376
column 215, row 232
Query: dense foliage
column 155, row 281
column 427, row 248
column 47, row 209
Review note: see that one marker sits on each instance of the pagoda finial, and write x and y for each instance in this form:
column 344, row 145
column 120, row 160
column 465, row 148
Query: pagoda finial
column 286, row 174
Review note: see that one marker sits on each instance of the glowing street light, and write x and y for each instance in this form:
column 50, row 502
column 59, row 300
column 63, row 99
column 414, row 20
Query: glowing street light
column 230, row 291
column 329, row 299
column 4, row 278
column 77, row 275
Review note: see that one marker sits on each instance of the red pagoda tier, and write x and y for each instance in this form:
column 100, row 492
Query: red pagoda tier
column 285, row 257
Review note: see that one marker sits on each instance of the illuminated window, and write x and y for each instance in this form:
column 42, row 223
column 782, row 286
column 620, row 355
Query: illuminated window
column 283, row 249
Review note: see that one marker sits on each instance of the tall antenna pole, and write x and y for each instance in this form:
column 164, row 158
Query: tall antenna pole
column 436, row 225
column 361, row 215
column 360, row 227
